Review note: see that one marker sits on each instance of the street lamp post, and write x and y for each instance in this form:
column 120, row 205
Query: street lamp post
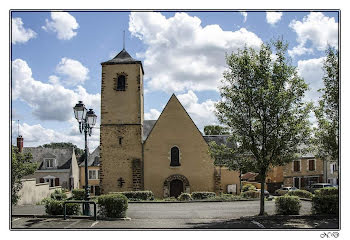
column 86, row 120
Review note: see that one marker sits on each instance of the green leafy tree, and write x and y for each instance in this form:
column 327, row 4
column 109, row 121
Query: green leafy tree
column 263, row 107
column 327, row 111
column 61, row 145
column 21, row 166
column 215, row 130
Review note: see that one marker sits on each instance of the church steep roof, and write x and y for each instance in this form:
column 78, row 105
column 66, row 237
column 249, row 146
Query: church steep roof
column 123, row 58
column 147, row 127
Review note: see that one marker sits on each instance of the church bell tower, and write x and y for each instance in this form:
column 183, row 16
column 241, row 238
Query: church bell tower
column 121, row 124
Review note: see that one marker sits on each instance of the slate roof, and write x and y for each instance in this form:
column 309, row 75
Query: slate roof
column 147, row 127
column 93, row 158
column 63, row 156
column 219, row 139
column 122, row 58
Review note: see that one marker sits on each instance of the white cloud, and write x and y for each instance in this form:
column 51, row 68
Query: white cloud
column 48, row 101
column 317, row 29
column 35, row 135
column 19, row 33
column 311, row 71
column 74, row 72
column 245, row 15
column 183, row 55
column 153, row 114
column 201, row 113
column 63, row 24
column 300, row 50
column 273, row 17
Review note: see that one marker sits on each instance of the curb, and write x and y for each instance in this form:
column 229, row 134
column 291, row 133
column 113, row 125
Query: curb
column 68, row 216
column 196, row 201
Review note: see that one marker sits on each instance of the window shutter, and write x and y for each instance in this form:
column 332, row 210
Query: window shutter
column 42, row 180
column 57, row 181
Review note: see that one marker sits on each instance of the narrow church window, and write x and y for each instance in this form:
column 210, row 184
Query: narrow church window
column 121, row 83
column 175, row 161
column 120, row 140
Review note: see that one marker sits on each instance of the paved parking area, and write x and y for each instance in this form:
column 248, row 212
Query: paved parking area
column 200, row 215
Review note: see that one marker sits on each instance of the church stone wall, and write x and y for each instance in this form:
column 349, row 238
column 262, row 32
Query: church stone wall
column 175, row 128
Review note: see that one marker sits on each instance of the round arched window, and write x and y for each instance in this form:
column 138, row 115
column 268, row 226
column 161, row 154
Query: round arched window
column 175, row 156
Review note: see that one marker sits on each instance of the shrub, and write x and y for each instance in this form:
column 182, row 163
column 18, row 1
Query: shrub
column 248, row 187
column 112, row 205
column 203, row 195
column 287, row 205
column 327, row 191
column 250, row 194
column 326, row 201
column 78, row 194
column 300, row 193
column 185, row 197
column 137, row 195
column 55, row 207
column 58, row 195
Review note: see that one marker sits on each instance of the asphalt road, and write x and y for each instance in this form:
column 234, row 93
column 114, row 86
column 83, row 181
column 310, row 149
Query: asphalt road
column 167, row 216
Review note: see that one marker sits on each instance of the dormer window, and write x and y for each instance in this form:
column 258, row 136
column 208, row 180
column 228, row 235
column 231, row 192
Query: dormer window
column 175, row 157
column 121, row 83
column 49, row 162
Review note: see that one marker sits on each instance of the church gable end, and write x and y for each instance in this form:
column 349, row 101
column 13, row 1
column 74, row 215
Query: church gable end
column 176, row 146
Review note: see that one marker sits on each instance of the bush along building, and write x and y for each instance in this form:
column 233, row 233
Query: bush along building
column 58, row 167
column 167, row 156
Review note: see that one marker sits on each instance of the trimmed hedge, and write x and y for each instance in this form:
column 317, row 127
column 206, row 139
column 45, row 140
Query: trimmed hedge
column 288, row 205
column 137, row 195
column 112, row 205
column 248, row 187
column 326, row 201
column 250, row 194
column 55, row 207
column 203, row 195
column 58, row 195
column 327, row 191
column 300, row 193
column 185, row 197
column 78, row 194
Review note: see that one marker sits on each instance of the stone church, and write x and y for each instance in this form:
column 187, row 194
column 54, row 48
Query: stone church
column 167, row 156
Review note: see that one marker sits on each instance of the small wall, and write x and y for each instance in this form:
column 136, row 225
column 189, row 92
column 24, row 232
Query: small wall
column 32, row 193
column 256, row 184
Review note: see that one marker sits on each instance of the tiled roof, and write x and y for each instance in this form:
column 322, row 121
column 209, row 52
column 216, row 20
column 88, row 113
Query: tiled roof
column 63, row 156
column 249, row 176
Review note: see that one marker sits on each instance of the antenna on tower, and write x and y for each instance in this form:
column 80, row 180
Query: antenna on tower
column 18, row 128
column 124, row 40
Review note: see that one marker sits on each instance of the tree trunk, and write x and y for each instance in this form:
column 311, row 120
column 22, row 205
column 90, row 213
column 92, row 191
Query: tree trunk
column 262, row 197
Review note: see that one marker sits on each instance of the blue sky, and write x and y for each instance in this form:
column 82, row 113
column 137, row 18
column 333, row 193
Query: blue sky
column 56, row 60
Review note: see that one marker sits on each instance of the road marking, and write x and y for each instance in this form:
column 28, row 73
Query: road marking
column 16, row 219
column 73, row 223
column 93, row 224
column 258, row 224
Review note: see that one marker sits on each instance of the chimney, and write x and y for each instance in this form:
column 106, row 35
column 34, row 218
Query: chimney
column 20, row 143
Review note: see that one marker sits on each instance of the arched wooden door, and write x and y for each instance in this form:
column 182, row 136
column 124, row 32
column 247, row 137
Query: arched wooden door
column 176, row 188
